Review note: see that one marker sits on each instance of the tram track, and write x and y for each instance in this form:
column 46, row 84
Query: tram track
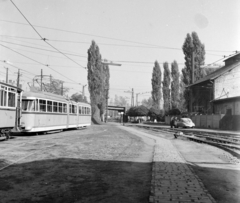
column 224, row 141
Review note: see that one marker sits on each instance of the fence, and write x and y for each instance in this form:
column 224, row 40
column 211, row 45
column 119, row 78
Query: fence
column 203, row 121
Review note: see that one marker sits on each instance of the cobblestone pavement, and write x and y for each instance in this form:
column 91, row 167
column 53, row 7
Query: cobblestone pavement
column 98, row 164
column 172, row 179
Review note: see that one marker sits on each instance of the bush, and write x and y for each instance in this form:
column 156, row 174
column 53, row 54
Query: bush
column 174, row 112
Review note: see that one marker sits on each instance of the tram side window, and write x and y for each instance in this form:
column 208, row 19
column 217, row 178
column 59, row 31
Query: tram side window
column 64, row 108
column 3, row 96
column 36, row 105
column 60, row 107
column 28, row 105
column 80, row 110
column 42, row 105
column 49, row 106
column 55, row 107
column 74, row 109
column 11, row 99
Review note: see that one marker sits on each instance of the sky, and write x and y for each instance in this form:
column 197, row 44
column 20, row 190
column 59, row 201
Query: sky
column 133, row 33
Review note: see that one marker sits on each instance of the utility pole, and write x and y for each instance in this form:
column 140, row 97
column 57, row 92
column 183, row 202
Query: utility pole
column 191, row 92
column 6, row 75
column 41, row 78
column 18, row 78
column 50, row 83
column 193, row 66
column 62, row 89
column 132, row 100
column 106, row 105
column 132, row 96
column 137, row 98
column 83, row 91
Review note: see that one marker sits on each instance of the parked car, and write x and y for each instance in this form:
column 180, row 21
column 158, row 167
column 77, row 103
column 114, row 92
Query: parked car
column 184, row 123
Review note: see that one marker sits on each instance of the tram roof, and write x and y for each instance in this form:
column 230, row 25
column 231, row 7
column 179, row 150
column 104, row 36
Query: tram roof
column 12, row 86
column 50, row 96
column 44, row 95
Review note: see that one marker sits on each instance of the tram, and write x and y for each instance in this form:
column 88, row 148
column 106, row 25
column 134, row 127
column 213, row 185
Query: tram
column 43, row 112
column 10, row 105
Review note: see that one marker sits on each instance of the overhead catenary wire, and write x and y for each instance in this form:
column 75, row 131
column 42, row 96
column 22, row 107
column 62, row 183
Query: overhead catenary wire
column 44, row 39
column 104, row 37
column 40, row 48
column 38, row 62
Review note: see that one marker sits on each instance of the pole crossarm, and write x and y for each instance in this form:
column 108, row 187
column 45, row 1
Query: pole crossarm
column 117, row 108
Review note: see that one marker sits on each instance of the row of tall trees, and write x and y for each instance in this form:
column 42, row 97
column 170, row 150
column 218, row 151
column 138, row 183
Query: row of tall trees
column 173, row 88
column 98, row 83
column 169, row 88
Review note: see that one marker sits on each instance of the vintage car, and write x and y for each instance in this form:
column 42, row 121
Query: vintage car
column 184, row 123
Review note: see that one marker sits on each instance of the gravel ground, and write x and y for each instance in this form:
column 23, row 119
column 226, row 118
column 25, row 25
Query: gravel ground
column 98, row 164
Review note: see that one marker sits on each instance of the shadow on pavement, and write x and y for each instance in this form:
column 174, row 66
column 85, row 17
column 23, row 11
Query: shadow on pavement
column 75, row 180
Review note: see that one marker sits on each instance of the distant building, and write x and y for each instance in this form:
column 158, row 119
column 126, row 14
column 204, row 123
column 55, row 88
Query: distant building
column 219, row 92
column 12, row 82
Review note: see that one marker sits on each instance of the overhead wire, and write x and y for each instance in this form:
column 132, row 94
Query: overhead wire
column 44, row 39
column 38, row 62
column 40, row 48
column 117, row 39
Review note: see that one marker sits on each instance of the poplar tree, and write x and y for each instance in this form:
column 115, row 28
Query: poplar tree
column 105, row 83
column 166, row 87
column 95, row 81
column 192, row 44
column 175, row 85
column 156, row 85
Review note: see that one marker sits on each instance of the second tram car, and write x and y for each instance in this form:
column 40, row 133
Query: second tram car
column 10, row 104
column 43, row 111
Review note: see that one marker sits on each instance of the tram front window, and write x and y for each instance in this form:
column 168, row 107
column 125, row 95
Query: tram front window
column 28, row 105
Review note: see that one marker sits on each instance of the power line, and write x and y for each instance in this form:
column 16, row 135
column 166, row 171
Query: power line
column 122, row 40
column 3, row 61
column 40, row 48
column 37, row 62
column 44, row 39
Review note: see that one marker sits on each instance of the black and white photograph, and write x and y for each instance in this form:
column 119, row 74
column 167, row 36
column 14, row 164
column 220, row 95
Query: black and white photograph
column 119, row 101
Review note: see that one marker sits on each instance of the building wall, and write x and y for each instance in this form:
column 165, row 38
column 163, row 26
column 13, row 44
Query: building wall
column 224, row 107
column 228, row 85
